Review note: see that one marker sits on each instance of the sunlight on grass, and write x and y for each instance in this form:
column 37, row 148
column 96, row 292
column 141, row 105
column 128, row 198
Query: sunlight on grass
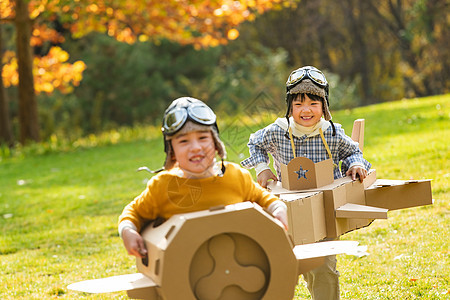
column 60, row 200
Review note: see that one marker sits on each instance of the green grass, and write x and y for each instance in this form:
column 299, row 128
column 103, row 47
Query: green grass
column 59, row 204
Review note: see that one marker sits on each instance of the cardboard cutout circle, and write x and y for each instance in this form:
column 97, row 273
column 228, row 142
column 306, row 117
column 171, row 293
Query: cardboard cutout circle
column 230, row 266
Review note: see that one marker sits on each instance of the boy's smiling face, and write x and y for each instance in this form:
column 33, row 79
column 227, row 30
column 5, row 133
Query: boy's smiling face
column 307, row 112
column 194, row 151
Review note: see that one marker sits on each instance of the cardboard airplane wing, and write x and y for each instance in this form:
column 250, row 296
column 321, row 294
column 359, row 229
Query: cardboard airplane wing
column 113, row 284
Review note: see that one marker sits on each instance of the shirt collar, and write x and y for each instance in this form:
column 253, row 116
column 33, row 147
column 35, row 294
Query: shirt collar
column 299, row 130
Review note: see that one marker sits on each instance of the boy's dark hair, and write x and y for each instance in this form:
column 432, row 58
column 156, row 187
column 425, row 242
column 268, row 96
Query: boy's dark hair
column 310, row 96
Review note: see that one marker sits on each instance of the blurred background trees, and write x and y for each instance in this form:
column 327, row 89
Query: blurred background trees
column 128, row 61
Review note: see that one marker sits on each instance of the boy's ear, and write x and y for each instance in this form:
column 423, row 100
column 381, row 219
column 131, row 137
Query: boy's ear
column 172, row 154
column 216, row 149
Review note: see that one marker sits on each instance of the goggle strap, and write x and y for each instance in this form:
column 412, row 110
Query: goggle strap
column 150, row 171
column 334, row 128
column 223, row 167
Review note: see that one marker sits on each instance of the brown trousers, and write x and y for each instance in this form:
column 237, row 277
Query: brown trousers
column 323, row 281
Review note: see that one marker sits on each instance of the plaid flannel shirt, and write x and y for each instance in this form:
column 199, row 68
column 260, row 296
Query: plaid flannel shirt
column 273, row 140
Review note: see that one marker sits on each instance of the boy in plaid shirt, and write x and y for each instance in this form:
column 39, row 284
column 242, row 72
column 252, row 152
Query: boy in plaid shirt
column 307, row 113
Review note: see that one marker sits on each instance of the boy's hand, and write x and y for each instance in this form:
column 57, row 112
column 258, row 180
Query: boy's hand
column 357, row 170
column 265, row 176
column 278, row 210
column 281, row 215
column 134, row 243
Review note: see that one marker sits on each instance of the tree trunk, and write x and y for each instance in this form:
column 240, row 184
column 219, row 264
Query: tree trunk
column 6, row 136
column 28, row 111
column 5, row 122
column 396, row 23
column 361, row 57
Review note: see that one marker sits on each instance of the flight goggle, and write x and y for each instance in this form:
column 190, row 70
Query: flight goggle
column 315, row 75
column 197, row 112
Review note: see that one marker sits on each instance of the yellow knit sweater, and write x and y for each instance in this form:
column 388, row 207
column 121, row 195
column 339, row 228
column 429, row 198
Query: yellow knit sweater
column 168, row 194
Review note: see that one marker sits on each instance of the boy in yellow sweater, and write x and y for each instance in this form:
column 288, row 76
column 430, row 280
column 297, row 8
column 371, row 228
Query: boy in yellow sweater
column 191, row 179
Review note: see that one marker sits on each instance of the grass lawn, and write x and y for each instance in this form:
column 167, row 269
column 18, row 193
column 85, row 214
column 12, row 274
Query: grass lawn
column 59, row 209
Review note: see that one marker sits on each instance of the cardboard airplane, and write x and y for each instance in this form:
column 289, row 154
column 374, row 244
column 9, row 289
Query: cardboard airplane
column 230, row 252
column 240, row 252
column 320, row 207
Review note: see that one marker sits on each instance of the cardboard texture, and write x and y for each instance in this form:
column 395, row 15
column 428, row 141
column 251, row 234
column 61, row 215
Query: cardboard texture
column 324, row 249
column 303, row 173
column 237, row 252
column 370, row 179
column 276, row 188
column 149, row 293
column 314, row 253
column 342, row 192
column 114, row 284
column 306, row 217
column 352, row 211
column 358, row 133
column 232, row 252
column 348, row 205
column 344, row 209
column 244, row 254
column 398, row 194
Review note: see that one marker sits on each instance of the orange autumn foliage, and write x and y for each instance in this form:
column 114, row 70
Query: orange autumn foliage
column 42, row 33
column 51, row 72
column 202, row 23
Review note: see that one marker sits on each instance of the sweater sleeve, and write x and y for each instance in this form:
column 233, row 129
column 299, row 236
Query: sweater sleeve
column 256, row 193
column 142, row 208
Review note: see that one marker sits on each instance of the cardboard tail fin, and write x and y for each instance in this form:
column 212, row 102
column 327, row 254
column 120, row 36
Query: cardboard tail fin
column 358, row 133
